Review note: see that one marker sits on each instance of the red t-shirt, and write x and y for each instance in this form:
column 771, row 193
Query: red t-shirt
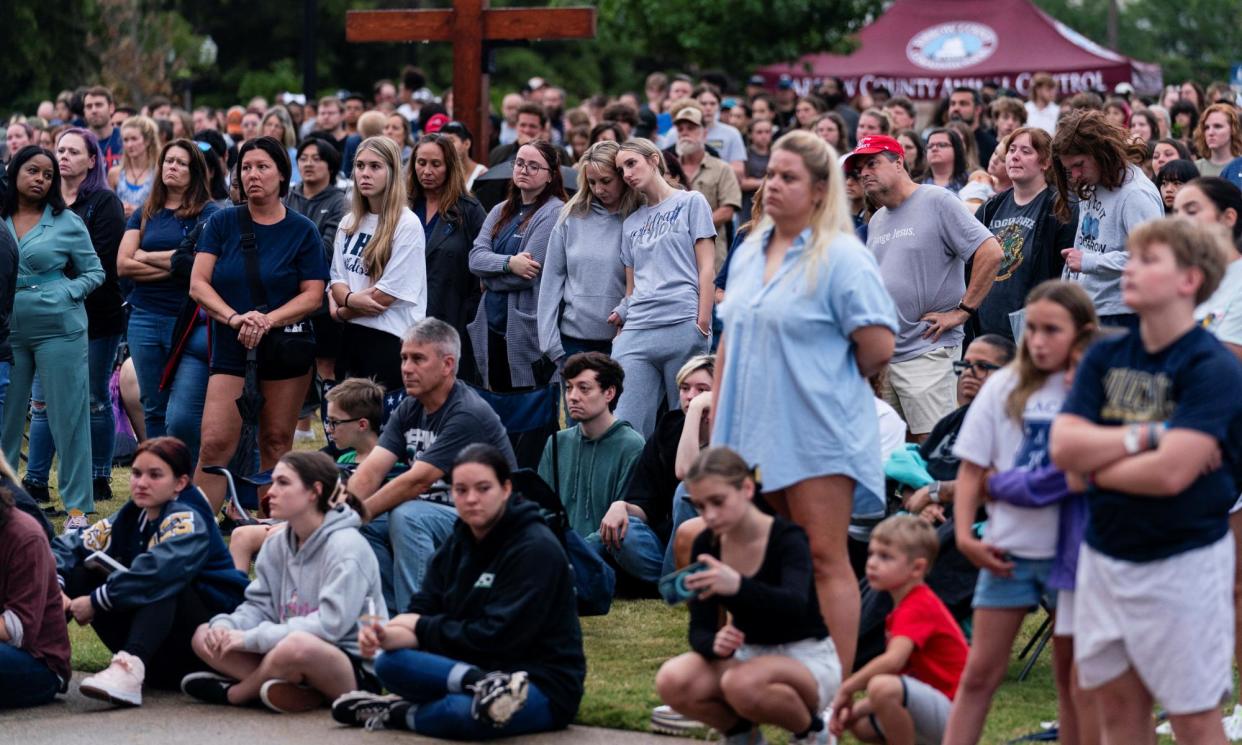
column 939, row 646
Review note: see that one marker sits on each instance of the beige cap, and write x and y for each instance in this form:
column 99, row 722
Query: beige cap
column 689, row 114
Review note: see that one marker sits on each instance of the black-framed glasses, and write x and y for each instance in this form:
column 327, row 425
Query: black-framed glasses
column 980, row 369
column 529, row 166
column 334, row 423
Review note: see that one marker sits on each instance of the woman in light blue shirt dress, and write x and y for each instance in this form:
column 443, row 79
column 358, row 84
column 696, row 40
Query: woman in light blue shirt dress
column 806, row 320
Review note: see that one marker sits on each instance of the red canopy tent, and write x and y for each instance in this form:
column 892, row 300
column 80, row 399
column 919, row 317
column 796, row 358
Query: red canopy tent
column 923, row 49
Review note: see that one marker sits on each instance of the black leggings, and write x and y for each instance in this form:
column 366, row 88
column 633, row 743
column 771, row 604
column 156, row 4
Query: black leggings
column 158, row 632
column 368, row 353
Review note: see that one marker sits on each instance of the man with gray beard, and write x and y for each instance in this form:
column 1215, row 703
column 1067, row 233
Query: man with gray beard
column 707, row 174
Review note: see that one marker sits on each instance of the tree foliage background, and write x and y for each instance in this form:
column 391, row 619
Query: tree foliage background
column 145, row 47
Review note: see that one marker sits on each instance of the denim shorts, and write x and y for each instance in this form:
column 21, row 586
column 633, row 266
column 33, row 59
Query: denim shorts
column 1022, row 589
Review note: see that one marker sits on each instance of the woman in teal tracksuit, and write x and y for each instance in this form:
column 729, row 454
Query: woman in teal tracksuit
column 49, row 321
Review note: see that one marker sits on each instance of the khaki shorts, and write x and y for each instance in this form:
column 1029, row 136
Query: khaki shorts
column 924, row 389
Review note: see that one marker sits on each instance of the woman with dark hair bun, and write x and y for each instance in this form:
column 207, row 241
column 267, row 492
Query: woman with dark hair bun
column 260, row 301
column 145, row 577
column 57, row 268
column 84, row 186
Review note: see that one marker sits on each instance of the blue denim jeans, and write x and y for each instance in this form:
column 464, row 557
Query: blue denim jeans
column 441, row 709
column 101, row 354
column 183, row 417
column 25, row 681
column 5, row 368
column 641, row 554
column 404, row 540
column 683, row 510
column 150, row 343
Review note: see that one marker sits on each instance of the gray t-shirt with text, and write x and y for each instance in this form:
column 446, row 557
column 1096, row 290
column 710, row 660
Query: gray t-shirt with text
column 922, row 247
column 658, row 244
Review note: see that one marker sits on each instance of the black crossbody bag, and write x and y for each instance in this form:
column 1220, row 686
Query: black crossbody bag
column 285, row 345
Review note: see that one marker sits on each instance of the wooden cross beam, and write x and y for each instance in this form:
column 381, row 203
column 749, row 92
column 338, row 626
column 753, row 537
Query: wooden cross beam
column 468, row 26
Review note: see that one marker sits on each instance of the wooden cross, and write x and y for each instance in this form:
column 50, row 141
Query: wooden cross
column 469, row 25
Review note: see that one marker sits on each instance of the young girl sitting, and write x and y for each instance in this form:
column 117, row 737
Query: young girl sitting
column 773, row 662
column 294, row 642
column 1007, row 427
column 498, row 597
column 175, row 573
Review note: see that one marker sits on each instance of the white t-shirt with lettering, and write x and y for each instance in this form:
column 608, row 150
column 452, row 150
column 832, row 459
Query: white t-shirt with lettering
column 404, row 277
column 990, row 438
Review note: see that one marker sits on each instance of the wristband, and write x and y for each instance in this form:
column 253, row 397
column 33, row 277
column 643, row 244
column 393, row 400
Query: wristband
column 229, row 322
column 346, row 303
column 933, row 492
column 962, row 306
column 506, row 268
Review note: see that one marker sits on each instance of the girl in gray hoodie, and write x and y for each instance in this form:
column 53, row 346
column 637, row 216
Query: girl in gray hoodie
column 583, row 277
column 293, row 643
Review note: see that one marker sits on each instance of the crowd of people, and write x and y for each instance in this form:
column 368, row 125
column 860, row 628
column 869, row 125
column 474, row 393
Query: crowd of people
column 807, row 351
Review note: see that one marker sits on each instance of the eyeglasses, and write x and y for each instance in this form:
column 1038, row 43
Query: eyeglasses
column 939, row 145
column 979, row 369
column 528, row 166
column 334, row 423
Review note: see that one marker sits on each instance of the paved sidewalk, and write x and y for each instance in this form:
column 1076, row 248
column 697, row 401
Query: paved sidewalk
column 172, row 719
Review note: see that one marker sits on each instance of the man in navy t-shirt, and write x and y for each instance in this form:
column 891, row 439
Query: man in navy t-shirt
column 97, row 108
column 1147, row 428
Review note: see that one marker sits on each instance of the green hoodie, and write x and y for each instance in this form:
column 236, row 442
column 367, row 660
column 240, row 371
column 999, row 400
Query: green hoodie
column 593, row 473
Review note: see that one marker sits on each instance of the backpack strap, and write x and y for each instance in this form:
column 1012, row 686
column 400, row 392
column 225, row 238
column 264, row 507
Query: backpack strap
column 250, row 252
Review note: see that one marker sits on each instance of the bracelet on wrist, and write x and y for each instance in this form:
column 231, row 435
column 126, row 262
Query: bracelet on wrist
column 229, row 322
column 507, row 268
column 346, row 303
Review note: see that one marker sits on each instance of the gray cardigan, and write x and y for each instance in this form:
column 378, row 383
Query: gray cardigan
column 582, row 280
column 522, row 328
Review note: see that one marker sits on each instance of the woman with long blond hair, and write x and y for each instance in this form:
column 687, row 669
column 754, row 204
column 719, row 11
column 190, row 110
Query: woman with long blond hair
column 379, row 278
column 1218, row 138
column 806, row 321
column 583, row 277
column 133, row 179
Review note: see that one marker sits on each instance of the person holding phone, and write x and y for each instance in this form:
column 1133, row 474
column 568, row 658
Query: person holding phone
column 772, row 662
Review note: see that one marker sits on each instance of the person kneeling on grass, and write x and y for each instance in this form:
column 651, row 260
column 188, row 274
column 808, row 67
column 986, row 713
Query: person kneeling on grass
column 294, row 643
column 498, row 596
column 911, row 686
column 773, row 662
column 164, row 570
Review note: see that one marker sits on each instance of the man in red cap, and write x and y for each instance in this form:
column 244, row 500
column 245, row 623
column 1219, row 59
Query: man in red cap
column 922, row 237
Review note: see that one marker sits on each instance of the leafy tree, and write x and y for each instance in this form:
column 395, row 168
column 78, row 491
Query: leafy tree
column 41, row 49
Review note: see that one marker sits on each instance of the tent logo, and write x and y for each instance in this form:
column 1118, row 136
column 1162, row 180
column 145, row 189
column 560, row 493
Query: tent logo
column 952, row 46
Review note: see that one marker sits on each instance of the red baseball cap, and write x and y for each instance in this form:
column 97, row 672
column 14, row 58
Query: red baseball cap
column 872, row 144
column 436, row 123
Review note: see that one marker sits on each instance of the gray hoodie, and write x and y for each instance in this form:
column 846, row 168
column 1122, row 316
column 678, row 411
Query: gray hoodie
column 578, row 292
column 320, row 588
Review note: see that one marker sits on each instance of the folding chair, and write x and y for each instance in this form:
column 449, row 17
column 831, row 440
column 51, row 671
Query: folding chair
column 530, row 417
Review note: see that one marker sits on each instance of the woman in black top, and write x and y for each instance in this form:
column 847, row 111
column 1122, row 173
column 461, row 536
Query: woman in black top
column 773, row 662
column 451, row 218
column 498, row 596
column 84, row 186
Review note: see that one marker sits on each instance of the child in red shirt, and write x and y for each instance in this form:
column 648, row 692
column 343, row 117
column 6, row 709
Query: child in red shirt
column 911, row 686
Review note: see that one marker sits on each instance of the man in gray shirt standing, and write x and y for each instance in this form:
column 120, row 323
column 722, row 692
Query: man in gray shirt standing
column 922, row 237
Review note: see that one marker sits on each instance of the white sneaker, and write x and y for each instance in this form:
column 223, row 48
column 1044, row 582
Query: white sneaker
column 120, row 683
column 1233, row 723
column 303, row 435
column 666, row 721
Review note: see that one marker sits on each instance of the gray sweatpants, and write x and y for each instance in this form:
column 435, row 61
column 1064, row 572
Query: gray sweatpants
column 651, row 359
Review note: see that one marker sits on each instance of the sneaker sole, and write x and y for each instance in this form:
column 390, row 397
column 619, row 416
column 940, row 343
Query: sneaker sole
column 119, row 699
column 345, row 707
column 193, row 677
column 284, row 697
column 502, row 709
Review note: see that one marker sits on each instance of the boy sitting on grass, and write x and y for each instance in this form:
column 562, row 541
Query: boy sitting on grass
column 911, row 686
column 355, row 413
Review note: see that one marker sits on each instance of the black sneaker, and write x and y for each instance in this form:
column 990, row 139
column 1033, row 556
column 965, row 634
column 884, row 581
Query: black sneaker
column 102, row 488
column 370, row 710
column 40, row 492
column 208, row 687
column 498, row 697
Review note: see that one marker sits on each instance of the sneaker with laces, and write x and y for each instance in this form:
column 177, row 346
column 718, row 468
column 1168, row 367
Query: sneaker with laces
column 76, row 523
column 209, row 687
column 284, row 697
column 666, row 721
column 120, row 683
column 498, row 697
column 364, row 709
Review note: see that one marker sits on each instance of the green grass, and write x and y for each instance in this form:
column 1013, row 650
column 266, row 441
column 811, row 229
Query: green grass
column 625, row 649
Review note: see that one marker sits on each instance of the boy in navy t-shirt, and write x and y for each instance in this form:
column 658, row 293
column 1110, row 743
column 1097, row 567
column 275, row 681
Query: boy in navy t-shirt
column 1145, row 430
